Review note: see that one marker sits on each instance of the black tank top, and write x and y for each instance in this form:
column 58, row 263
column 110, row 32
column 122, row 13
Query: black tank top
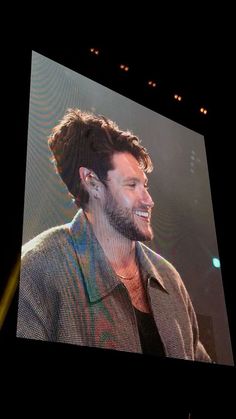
column 149, row 336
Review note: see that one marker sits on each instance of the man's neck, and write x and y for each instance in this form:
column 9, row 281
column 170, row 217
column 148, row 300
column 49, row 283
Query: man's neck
column 119, row 250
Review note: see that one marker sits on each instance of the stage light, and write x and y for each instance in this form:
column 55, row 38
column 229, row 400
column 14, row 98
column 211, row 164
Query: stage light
column 94, row 51
column 203, row 110
column 216, row 262
column 124, row 67
column 9, row 292
column 177, row 97
column 152, row 83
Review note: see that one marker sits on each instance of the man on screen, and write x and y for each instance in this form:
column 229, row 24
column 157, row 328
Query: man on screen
column 93, row 282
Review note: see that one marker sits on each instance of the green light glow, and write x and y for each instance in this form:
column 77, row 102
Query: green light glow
column 216, row 262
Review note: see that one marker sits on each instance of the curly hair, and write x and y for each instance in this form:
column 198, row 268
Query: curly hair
column 88, row 140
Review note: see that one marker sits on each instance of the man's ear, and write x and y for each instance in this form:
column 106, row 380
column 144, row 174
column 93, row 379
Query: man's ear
column 89, row 180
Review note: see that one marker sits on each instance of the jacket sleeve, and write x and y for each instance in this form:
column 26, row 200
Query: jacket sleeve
column 32, row 318
column 200, row 353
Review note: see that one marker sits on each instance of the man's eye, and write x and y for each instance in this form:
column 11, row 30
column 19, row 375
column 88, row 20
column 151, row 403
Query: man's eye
column 132, row 185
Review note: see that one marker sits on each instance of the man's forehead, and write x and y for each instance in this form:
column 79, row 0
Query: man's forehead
column 127, row 166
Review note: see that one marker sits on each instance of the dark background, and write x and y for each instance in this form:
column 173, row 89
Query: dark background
column 201, row 74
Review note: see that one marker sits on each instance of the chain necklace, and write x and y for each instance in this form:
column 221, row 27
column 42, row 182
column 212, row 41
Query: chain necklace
column 128, row 277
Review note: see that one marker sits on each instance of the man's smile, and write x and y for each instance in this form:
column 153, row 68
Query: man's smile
column 145, row 215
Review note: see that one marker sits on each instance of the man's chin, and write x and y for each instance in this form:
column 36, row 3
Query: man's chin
column 146, row 237
column 144, row 231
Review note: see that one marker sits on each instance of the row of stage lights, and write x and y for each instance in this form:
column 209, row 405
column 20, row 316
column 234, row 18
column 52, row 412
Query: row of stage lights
column 150, row 83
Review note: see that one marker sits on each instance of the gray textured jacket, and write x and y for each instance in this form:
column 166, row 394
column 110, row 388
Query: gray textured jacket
column 69, row 293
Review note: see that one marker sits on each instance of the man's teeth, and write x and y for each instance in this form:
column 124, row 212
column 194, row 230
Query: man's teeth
column 142, row 213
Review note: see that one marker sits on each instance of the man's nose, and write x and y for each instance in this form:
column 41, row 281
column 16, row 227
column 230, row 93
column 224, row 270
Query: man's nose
column 147, row 199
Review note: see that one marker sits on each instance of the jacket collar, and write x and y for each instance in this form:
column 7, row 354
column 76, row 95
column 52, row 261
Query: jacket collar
column 148, row 267
column 100, row 279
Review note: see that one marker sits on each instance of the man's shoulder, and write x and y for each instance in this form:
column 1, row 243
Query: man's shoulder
column 46, row 241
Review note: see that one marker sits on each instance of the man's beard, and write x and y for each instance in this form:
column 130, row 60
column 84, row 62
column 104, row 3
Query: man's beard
column 122, row 220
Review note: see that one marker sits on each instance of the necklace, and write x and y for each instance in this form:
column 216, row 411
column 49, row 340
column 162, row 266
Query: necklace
column 128, row 277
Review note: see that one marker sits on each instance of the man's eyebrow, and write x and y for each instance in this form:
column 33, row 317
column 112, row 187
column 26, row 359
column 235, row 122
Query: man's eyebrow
column 135, row 179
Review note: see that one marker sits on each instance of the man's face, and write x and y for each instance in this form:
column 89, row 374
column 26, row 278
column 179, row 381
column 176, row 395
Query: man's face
column 128, row 204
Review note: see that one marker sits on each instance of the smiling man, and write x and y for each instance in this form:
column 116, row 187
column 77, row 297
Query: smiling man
column 93, row 282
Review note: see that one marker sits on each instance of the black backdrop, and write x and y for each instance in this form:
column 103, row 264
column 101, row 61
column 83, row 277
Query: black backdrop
column 197, row 77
